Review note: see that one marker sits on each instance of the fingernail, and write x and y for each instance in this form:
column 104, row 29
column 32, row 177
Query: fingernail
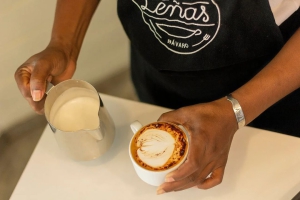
column 36, row 95
column 160, row 191
column 169, row 179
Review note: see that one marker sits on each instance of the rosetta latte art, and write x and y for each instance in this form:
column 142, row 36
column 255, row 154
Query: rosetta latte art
column 155, row 147
column 159, row 146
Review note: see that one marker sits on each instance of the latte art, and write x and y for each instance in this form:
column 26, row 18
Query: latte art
column 155, row 147
column 159, row 146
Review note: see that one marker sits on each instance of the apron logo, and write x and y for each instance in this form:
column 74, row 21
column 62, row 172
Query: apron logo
column 182, row 26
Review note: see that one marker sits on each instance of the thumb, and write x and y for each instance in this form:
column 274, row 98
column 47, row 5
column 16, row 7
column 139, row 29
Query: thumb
column 174, row 116
column 38, row 81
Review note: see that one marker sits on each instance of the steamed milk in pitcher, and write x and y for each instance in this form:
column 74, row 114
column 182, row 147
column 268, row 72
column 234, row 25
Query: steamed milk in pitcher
column 82, row 126
column 77, row 113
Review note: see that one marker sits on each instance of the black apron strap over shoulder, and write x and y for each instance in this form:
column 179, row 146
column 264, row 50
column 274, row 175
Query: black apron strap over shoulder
column 192, row 35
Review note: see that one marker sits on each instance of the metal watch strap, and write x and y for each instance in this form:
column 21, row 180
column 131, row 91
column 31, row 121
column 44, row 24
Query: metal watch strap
column 237, row 109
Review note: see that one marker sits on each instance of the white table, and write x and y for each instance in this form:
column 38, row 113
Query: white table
column 261, row 165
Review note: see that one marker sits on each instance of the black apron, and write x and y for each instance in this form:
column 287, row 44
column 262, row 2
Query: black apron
column 189, row 35
column 185, row 52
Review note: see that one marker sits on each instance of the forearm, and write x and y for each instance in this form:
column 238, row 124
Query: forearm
column 279, row 78
column 72, row 18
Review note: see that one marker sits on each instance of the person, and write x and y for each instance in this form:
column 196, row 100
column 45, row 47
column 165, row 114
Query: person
column 201, row 58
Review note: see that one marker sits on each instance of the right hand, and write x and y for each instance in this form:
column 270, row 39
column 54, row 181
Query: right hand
column 50, row 65
column 211, row 127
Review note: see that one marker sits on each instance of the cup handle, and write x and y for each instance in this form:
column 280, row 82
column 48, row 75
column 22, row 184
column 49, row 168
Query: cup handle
column 135, row 126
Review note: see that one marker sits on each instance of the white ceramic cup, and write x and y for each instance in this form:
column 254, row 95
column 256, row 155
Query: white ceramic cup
column 154, row 178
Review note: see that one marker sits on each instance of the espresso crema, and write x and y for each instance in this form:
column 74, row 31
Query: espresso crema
column 159, row 146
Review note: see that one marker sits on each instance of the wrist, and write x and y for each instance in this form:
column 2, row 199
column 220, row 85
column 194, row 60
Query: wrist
column 225, row 110
column 70, row 50
column 238, row 111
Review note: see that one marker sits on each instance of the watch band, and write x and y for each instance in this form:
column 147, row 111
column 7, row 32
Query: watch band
column 237, row 109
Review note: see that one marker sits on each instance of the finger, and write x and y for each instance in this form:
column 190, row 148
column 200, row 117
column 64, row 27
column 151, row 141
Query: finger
column 185, row 170
column 197, row 178
column 183, row 184
column 203, row 180
column 37, row 106
column 215, row 178
column 195, row 161
column 188, row 182
column 190, row 165
column 38, row 80
column 22, row 77
column 172, row 116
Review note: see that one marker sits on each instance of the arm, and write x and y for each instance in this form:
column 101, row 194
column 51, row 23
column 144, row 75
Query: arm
column 57, row 62
column 71, row 22
column 279, row 78
column 212, row 125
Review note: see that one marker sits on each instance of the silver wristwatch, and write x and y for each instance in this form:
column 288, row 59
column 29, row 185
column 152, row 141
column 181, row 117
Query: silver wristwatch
column 237, row 109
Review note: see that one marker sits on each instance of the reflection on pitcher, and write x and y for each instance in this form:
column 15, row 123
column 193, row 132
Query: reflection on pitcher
column 81, row 124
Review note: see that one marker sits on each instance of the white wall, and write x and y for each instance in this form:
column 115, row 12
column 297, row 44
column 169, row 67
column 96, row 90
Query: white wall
column 25, row 27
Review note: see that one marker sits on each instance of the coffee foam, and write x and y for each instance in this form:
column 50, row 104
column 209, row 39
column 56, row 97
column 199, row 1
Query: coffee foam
column 159, row 146
column 155, row 147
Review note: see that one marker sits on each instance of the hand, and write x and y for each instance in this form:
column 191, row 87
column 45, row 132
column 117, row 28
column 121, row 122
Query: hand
column 211, row 127
column 51, row 65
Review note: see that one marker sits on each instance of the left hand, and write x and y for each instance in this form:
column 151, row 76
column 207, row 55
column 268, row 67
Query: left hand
column 211, row 127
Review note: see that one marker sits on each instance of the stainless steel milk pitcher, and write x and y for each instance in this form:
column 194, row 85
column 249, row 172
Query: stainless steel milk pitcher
column 70, row 108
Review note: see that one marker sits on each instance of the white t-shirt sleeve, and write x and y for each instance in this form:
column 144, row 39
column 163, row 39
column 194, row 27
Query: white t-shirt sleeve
column 282, row 9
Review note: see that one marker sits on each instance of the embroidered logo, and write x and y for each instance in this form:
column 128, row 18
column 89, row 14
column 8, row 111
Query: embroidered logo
column 182, row 26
